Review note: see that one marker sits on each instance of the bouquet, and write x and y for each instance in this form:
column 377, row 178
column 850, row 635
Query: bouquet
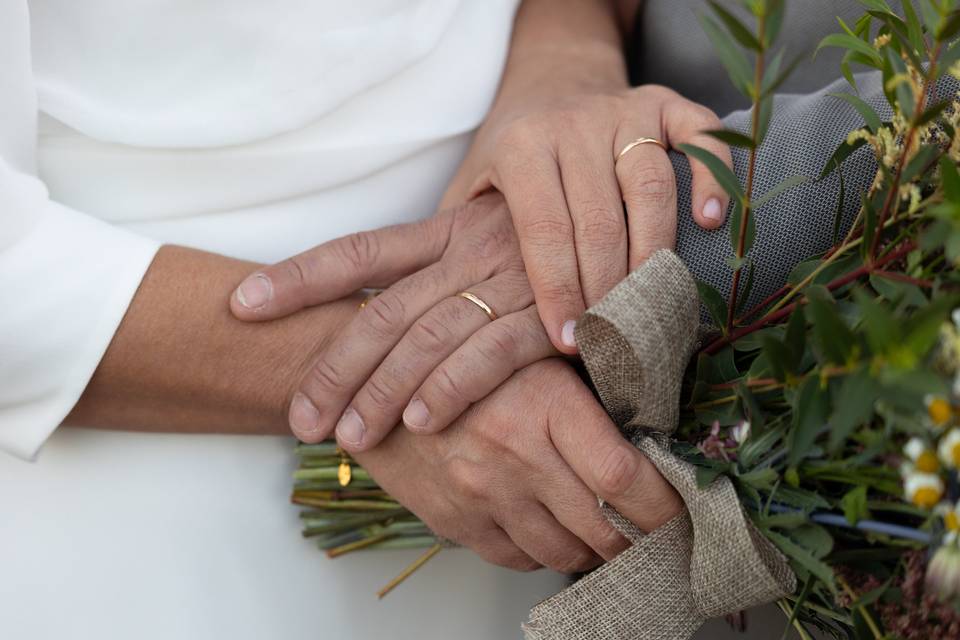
column 833, row 406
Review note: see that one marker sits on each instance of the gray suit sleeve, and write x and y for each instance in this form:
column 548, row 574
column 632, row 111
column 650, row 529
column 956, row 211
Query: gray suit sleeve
column 798, row 224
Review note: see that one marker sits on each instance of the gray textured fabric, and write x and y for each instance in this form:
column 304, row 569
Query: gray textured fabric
column 798, row 224
column 670, row 48
column 706, row 562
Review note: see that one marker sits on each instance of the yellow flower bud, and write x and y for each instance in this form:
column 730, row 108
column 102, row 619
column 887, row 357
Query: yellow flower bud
column 923, row 489
column 939, row 410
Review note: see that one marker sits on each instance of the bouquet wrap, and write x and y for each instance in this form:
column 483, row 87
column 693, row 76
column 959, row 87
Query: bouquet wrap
column 705, row 562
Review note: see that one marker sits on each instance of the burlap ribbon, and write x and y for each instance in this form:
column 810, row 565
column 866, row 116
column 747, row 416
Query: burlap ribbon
column 704, row 563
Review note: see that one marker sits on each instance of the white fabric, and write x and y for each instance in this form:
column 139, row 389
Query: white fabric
column 250, row 128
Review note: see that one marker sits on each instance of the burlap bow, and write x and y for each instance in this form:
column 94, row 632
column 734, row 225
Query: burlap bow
column 704, row 563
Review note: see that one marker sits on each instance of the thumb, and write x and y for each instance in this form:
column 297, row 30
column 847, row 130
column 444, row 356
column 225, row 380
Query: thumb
column 337, row 268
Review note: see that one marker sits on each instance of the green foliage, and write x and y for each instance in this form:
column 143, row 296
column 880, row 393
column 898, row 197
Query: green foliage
column 834, row 372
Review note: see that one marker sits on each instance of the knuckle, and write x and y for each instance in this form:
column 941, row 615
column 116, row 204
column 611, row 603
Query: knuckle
column 650, row 182
column 381, row 392
column 619, row 470
column 327, row 376
column 448, row 384
column 547, row 228
column 360, row 250
column 608, row 539
column 431, row 334
column 384, row 314
column 296, row 270
column 603, row 227
column 499, row 343
column 469, row 480
column 571, row 560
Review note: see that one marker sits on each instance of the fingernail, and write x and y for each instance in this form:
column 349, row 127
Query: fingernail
column 712, row 210
column 350, row 428
column 566, row 333
column 255, row 291
column 416, row 414
column 304, row 417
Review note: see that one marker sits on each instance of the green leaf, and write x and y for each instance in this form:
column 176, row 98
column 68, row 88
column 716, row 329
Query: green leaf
column 763, row 121
column 787, row 183
column 917, row 167
column 904, row 92
column 841, row 153
column 813, row 538
column 869, row 116
column 853, row 404
column 747, row 287
column 877, row 5
column 854, row 505
column 714, row 302
column 836, row 341
column 846, row 41
column 760, row 478
column 881, row 328
column 932, row 112
column 736, row 28
column 950, row 180
column 949, row 27
column 896, row 291
column 736, row 218
column 731, row 137
column 730, row 56
column 773, row 77
column 721, row 172
column 706, row 475
column 802, row 557
column 775, row 13
column 800, row 498
column 914, row 29
column 841, row 199
column 778, row 357
column 785, row 520
column 810, row 409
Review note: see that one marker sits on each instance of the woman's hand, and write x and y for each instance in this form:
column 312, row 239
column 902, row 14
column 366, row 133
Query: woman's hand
column 516, row 478
column 553, row 154
column 418, row 349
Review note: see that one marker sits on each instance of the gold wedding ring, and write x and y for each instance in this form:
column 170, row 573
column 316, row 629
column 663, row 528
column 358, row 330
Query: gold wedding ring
column 480, row 303
column 636, row 143
column 370, row 296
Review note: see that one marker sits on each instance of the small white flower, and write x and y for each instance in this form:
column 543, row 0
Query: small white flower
column 943, row 572
column 921, row 457
column 740, row 432
column 949, row 449
column 923, row 489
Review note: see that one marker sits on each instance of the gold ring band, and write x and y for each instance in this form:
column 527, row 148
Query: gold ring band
column 636, row 143
column 466, row 295
column 370, row 296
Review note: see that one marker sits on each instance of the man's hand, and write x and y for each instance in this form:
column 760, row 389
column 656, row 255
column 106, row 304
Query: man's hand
column 516, row 478
column 417, row 349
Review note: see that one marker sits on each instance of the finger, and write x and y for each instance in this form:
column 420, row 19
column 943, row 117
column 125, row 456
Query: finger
column 476, row 369
column 684, row 123
column 577, row 509
column 337, row 268
column 612, row 467
column 533, row 529
column 600, row 228
column 649, row 190
column 496, row 547
column 531, row 184
column 341, row 368
column 431, row 339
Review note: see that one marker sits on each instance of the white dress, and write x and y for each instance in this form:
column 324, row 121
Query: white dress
column 253, row 128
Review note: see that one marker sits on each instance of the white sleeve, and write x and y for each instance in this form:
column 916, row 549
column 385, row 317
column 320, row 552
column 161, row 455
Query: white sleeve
column 66, row 278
